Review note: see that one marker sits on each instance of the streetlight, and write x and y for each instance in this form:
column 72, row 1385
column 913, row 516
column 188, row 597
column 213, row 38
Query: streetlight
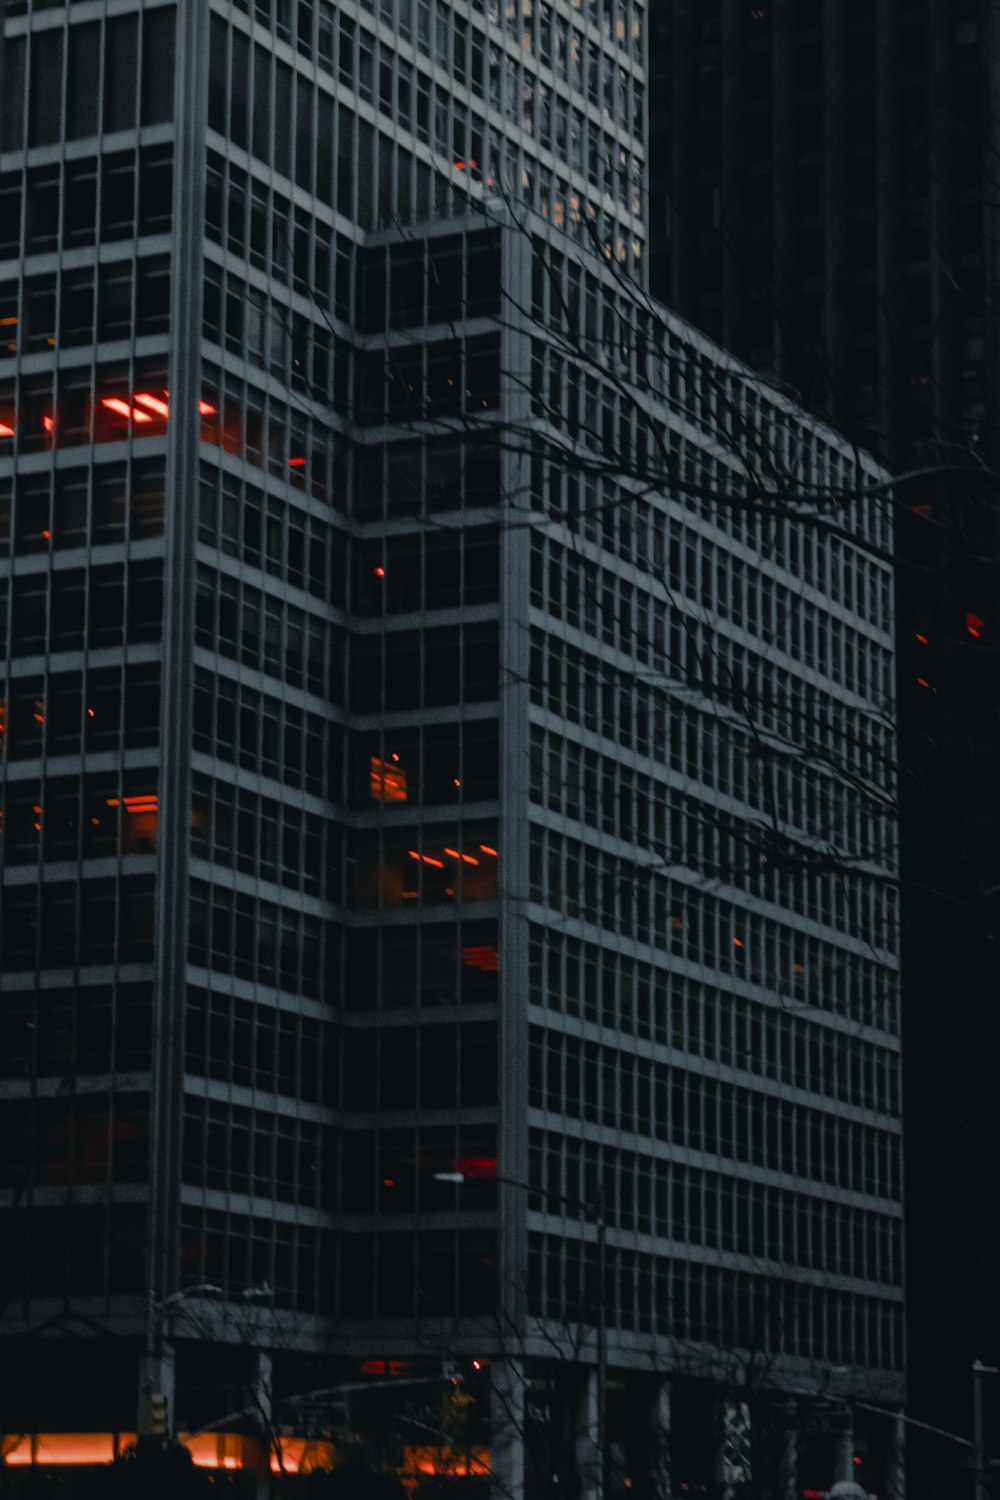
column 596, row 1209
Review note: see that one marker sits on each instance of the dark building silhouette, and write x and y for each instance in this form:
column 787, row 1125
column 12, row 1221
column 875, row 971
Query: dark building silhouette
column 824, row 200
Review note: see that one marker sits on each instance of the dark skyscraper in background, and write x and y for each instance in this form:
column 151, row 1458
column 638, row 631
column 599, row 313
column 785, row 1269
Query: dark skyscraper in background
column 399, row 918
column 824, row 201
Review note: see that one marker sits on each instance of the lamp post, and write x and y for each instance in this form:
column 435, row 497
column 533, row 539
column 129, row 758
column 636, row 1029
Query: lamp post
column 595, row 1210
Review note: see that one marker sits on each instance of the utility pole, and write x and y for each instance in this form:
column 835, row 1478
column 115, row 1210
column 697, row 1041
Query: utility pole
column 978, row 1432
column 156, row 1416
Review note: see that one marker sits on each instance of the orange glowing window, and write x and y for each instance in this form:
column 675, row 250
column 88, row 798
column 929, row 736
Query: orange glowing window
column 387, row 781
column 140, row 804
column 123, row 409
column 154, row 403
column 481, row 957
column 296, row 463
column 48, row 424
column 488, row 850
column 206, row 409
column 974, row 624
column 6, row 431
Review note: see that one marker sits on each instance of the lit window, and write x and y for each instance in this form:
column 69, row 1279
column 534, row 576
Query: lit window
column 387, row 781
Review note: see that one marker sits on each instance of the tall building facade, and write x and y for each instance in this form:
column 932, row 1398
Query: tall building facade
column 428, row 720
column 824, row 202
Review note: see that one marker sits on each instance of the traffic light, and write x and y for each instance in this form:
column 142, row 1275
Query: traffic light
column 156, row 1412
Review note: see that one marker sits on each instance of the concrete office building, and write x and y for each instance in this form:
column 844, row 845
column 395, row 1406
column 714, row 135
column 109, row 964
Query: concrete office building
column 421, row 937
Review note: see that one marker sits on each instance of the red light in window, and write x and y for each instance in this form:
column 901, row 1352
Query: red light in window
column 922, row 682
column 469, row 859
column 386, row 1367
column 154, row 403
column 922, row 639
column 922, row 510
column 6, row 431
column 453, row 852
column 428, row 860
column 737, row 942
column 90, row 713
column 206, row 409
column 455, row 781
column 379, row 572
column 296, row 463
column 487, row 850
column 388, row 1182
column 475, row 1166
column 481, row 957
column 47, row 535
column 123, row 409
column 48, row 424
column 974, row 624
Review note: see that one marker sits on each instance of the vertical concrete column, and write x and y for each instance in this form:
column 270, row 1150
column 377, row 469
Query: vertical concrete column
column 586, row 1438
column 895, row 1459
column 257, row 1449
column 157, row 1378
column 507, row 1419
column 843, row 1455
column 788, row 1459
column 659, row 1440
